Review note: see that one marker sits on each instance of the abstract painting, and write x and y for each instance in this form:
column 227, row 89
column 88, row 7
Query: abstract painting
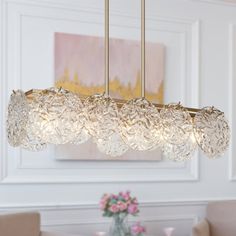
column 79, row 67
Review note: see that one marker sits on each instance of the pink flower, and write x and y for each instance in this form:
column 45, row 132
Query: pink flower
column 102, row 205
column 133, row 208
column 114, row 196
column 104, row 201
column 126, row 195
column 114, row 208
column 138, row 229
column 122, row 206
column 105, row 197
column 135, row 201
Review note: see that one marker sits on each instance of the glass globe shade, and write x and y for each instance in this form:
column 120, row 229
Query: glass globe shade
column 181, row 152
column 113, row 146
column 17, row 118
column 30, row 141
column 211, row 131
column 102, row 124
column 139, row 124
column 81, row 137
column 176, row 124
column 58, row 117
column 102, row 116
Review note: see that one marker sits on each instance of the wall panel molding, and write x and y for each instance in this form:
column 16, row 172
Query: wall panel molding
column 232, row 99
column 3, row 84
column 85, row 218
column 78, row 213
column 229, row 3
column 94, row 205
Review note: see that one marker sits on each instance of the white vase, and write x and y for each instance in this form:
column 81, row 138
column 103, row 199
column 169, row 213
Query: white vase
column 168, row 231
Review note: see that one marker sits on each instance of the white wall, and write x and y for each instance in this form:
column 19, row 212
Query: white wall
column 200, row 39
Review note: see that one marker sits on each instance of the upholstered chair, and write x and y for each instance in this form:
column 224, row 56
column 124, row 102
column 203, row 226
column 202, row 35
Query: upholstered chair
column 23, row 224
column 220, row 220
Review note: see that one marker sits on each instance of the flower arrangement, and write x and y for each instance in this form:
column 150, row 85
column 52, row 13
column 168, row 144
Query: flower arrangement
column 137, row 229
column 119, row 204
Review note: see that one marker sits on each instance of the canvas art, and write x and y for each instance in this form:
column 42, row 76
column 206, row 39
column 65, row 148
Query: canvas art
column 79, row 67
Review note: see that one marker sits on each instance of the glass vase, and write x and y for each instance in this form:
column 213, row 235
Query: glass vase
column 119, row 226
column 168, row 231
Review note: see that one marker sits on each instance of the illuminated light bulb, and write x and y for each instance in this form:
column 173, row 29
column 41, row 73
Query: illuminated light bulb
column 211, row 131
column 139, row 124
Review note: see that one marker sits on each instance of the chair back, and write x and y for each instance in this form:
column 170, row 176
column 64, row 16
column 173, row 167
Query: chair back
column 20, row 224
column 222, row 218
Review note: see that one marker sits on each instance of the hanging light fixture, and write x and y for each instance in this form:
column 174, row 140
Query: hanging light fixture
column 57, row 116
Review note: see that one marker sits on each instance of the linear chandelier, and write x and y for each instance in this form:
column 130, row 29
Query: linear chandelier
column 57, row 116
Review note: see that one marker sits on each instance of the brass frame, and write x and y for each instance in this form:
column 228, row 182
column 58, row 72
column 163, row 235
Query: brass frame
column 119, row 102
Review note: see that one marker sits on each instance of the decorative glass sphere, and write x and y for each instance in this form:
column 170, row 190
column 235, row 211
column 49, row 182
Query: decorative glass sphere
column 17, row 118
column 113, row 146
column 176, row 124
column 81, row 137
column 211, row 131
column 139, row 124
column 30, row 141
column 58, row 116
column 31, row 144
column 181, row 152
column 102, row 116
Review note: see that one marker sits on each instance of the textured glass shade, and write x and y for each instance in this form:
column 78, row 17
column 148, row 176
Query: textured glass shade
column 81, row 137
column 102, row 116
column 176, row 124
column 113, row 146
column 102, row 123
column 181, row 152
column 30, row 141
column 58, row 117
column 17, row 118
column 139, row 124
column 211, row 131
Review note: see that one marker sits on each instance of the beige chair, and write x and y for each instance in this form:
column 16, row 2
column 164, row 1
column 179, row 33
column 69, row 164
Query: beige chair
column 23, row 224
column 220, row 220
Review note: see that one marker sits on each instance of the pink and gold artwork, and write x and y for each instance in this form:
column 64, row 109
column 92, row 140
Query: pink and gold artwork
column 79, row 67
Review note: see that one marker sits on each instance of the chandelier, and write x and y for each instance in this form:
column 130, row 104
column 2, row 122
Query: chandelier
column 37, row 118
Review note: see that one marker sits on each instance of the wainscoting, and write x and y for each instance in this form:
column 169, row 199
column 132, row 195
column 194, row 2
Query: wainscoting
column 85, row 219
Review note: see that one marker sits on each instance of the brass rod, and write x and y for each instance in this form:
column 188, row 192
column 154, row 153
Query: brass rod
column 107, row 47
column 143, row 48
